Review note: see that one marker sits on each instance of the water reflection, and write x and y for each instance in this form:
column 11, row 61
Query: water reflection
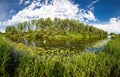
column 33, row 43
column 81, row 45
column 98, row 46
column 25, row 41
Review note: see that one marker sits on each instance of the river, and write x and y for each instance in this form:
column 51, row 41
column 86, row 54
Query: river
column 98, row 46
column 92, row 45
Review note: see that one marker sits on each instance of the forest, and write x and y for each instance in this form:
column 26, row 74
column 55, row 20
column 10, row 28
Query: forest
column 57, row 29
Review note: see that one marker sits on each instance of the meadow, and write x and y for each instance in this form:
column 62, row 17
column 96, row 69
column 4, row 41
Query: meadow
column 18, row 63
column 20, row 60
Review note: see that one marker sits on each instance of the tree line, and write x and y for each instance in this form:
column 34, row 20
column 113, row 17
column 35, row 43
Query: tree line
column 55, row 26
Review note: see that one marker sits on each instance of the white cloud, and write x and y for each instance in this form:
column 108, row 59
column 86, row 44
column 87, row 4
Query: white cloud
column 56, row 8
column 2, row 28
column 90, row 6
column 112, row 26
column 27, row 2
column 89, row 15
column 20, row 2
column 12, row 11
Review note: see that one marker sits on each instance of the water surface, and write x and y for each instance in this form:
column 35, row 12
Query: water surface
column 81, row 45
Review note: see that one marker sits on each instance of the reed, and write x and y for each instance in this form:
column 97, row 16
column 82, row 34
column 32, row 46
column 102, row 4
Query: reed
column 87, row 64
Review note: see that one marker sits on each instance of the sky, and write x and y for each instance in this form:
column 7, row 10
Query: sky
column 103, row 14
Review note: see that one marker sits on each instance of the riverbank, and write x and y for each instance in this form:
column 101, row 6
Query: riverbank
column 47, row 46
column 56, row 29
column 68, row 36
column 98, row 46
column 25, row 64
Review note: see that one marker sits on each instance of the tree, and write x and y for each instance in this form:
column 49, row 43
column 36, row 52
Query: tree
column 20, row 28
column 48, row 22
column 30, row 27
column 11, row 30
column 24, row 26
column 40, row 24
column 33, row 23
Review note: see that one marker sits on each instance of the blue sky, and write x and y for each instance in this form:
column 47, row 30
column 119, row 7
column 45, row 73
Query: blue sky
column 104, row 14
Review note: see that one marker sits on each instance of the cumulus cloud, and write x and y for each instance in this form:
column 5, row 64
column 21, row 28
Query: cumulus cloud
column 89, row 15
column 112, row 26
column 55, row 8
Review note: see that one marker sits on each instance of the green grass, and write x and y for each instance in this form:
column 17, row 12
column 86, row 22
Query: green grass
column 6, row 69
column 113, row 48
column 84, row 65
column 28, row 62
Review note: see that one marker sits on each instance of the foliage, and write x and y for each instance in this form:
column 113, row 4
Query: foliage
column 86, row 64
column 45, row 28
column 29, row 61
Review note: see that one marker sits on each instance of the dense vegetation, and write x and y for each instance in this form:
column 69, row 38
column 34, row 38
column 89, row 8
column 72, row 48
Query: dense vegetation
column 57, row 29
column 6, row 67
column 17, row 64
column 19, row 60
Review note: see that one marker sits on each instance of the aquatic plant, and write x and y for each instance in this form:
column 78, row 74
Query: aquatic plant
column 38, row 62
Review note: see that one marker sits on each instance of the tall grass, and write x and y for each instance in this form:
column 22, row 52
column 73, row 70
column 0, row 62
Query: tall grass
column 27, row 64
column 6, row 68
column 84, row 65
column 113, row 48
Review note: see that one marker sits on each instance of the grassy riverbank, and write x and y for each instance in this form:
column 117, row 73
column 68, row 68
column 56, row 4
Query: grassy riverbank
column 6, row 62
column 26, row 64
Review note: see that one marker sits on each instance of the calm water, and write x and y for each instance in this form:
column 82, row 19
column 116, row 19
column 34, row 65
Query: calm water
column 83, row 45
column 98, row 46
